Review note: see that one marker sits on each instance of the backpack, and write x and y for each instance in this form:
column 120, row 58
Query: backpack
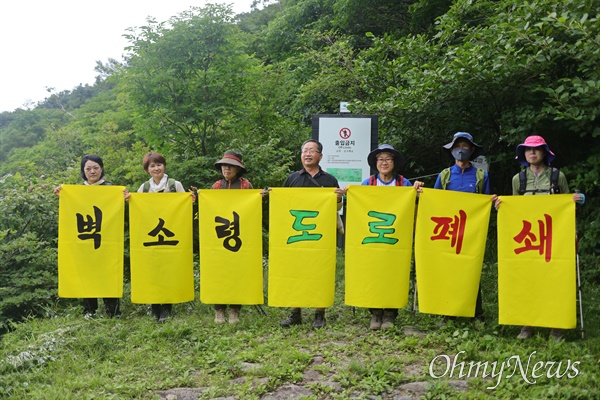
column 479, row 175
column 554, row 188
column 171, row 186
column 399, row 180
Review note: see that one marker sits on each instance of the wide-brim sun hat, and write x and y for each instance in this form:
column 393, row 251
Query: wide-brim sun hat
column 385, row 148
column 231, row 158
column 463, row 135
column 534, row 141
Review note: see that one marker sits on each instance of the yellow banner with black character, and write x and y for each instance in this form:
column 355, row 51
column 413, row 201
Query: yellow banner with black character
column 90, row 241
column 302, row 247
column 536, row 261
column 450, row 236
column 161, row 248
column 230, row 227
column 379, row 236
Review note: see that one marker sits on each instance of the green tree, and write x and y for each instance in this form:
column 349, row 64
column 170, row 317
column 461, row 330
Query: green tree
column 186, row 77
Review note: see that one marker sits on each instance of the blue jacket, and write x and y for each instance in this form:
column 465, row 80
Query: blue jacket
column 463, row 181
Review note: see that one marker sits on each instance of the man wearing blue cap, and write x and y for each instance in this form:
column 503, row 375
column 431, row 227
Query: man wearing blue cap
column 463, row 176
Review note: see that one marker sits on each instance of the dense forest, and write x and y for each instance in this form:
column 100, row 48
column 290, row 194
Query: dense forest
column 208, row 80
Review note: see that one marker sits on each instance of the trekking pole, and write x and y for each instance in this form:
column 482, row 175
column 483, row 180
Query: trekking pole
column 579, row 278
column 414, row 306
column 579, row 287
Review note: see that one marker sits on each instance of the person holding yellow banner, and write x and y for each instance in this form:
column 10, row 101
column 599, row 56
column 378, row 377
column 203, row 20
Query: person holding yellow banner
column 92, row 173
column 311, row 175
column 232, row 169
column 387, row 161
column 154, row 164
column 463, row 176
column 538, row 177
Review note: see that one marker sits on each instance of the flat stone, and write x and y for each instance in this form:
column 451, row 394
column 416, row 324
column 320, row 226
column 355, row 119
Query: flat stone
column 180, row 393
column 288, row 392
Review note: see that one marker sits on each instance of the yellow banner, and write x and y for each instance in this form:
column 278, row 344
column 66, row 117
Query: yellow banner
column 90, row 241
column 536, row 261
column 302, row 246
column 231, row 269
column 379, row 235
column 162, row 268
column 450, row 236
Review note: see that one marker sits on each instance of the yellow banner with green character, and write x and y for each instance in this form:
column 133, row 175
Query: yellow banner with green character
column 230, row 224
column 536, row 261
column 379, row 237
column 160, row 227
column 302, row 247
column 90, row 241
column 450, row 236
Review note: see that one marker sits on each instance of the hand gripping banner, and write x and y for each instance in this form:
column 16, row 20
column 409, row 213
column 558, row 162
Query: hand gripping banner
column 302, row 247
column 379, row 236
column 90, row 241
column 160, row 227
column 231, row 269
column 450, row 236
column 536, row 261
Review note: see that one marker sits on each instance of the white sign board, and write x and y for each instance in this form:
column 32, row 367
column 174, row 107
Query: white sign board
column 346, row 144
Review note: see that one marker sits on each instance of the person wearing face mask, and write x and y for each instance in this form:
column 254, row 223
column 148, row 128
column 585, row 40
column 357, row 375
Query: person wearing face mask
column 463, row 176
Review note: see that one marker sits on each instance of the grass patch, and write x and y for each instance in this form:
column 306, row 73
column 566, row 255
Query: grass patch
column 65, row 356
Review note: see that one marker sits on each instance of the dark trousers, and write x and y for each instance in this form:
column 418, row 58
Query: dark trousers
column 111, row 305
column 394, row 311
column 158, row 309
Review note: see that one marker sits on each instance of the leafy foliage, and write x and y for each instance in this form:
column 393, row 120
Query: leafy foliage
column 28, row 232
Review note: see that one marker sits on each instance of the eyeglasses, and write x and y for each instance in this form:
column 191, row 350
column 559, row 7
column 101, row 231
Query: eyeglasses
column 310, row 151
column 385, row 160
column 88, row 169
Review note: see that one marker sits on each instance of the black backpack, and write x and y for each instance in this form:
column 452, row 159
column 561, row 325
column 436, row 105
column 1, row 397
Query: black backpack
column 554, row 188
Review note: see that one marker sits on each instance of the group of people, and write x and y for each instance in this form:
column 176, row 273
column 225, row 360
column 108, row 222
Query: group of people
column 538, row 177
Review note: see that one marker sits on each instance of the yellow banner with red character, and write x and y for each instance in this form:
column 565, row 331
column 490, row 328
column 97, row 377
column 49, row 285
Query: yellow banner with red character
column 90, row 241
column 450, row 236
column 536, row 261
column 160, row 227
column 230, row 224
column 379, row 237
column 302, row 247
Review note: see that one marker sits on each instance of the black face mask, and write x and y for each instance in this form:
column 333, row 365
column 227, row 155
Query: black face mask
column 461, row 154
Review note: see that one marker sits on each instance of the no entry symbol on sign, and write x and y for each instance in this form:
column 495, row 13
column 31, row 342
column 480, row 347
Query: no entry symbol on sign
column 345, row 133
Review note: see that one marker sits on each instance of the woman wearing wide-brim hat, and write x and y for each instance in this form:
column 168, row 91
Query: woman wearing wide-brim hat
column 232, row 169
column 387, row 161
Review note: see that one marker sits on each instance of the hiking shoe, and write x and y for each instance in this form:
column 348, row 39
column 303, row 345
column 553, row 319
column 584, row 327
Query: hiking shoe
column 556, row 334
column 376, row 320
column 388, row 320
column 525, row 333
column 319, row 321
column 234, row 315
column 219, row 316
column 295, row 318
